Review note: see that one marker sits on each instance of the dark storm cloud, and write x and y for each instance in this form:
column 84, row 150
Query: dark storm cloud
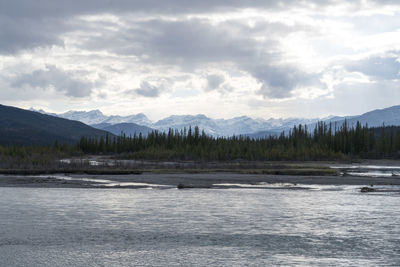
column 378, row 67
column 51, row 8
column 27, row 33
column 62, row 9
column 55, row 78
column 148, row 90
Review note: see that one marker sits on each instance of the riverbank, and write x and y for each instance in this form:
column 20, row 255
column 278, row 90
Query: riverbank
column 187, row 180
column 103, row 172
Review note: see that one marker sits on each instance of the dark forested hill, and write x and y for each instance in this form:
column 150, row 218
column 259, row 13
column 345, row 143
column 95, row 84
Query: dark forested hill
column 23, row 127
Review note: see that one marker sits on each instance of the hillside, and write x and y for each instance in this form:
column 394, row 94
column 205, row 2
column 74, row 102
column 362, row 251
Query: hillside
column 376, row 118
column 23, row 127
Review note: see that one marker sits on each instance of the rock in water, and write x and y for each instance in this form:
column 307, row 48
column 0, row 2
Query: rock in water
column 181, row 186
column 367, row 189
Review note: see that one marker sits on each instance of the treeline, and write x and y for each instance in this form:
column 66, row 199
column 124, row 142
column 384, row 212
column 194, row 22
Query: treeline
column 325, row 142
column 31, row 157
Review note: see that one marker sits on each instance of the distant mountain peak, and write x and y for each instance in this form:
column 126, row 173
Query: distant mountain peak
column 95, row 111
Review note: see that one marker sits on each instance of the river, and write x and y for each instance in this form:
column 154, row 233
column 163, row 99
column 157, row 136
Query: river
column 334, row 226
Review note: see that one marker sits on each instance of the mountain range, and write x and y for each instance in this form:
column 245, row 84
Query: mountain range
column 222, row 127
column 216, row 127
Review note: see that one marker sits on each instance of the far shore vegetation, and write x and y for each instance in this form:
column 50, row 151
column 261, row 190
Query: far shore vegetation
column 326, row 142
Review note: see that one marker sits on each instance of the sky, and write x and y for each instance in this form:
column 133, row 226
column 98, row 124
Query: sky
column 259, row 58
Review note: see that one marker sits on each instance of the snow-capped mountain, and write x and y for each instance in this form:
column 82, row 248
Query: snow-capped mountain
column 242, row 125
column 216, row 127
column 94, row 117
column 139, row 119
column 286, row 124
column 87, row 117
column 227, row 127
column 185, row 121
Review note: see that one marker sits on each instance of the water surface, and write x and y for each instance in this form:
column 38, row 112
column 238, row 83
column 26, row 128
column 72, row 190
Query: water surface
column 217, row 227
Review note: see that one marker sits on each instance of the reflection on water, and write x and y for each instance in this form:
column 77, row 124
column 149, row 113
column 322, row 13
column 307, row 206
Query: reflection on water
column 90, row 162
column 368, row 170
column 372, row 173
column 230, row 227
column 103, row 182
column 368, row 167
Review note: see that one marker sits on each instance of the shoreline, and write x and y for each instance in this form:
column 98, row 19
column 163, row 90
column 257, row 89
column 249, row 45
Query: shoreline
column 104, row 165
column 188, row 180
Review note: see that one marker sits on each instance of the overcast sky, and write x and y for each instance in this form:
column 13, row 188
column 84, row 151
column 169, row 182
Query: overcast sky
column 221, row 58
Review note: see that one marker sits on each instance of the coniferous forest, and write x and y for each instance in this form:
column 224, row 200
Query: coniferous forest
column 324, row 142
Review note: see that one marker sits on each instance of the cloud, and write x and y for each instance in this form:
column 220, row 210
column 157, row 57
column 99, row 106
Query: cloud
column 214, row 81
column 26, row 24
column 22, row 34
column 148, row 90
column 52, row 77
column 385, row 67
column 44, row 8
column 182, row 42
column 280, row 81
column 74, row 7
column 189, row 43
column 193, row 44
column 266, row 49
